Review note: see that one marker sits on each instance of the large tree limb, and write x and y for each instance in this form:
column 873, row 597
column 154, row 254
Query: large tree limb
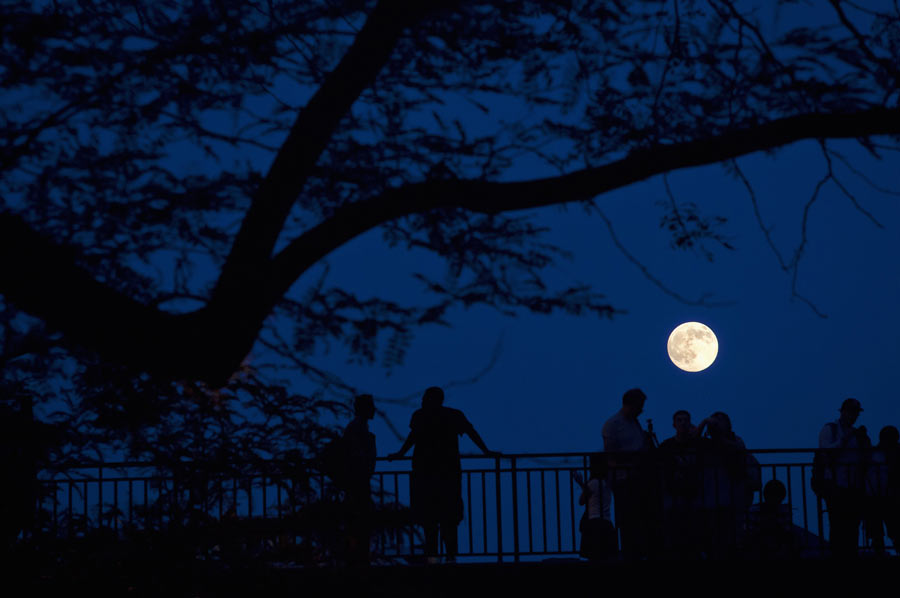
column 490, row 197
column 44, row 279
column 312, row 130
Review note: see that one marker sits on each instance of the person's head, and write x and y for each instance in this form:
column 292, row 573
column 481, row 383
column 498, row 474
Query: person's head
column 889, row 436
column 433, row 397
column 720, row 425
column 681, row 421
column 364, row 406
column 633, row 402
column 598, row 466
column 774, row 492
column 850, row 410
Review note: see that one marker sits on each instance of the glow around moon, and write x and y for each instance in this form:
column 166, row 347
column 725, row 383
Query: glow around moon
column 692, row 346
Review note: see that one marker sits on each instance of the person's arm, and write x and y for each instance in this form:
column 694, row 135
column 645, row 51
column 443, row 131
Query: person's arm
column 480, row 443
column 586, row 492
column 704, row 425
column 407, row 444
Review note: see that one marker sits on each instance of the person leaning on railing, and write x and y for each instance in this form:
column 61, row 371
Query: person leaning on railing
column 436, row 483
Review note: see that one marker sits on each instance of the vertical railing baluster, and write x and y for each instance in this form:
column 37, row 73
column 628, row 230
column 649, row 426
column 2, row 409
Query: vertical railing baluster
column 100, row 495
column 515, row 508
column 528, row 495
column 803, row 497
column 264, row 503
column 249, row 497
column 147, row 524
column 55, row 509
column 69, row 508
column 543, row 514
column 115, row 511
column 484, row 528
column 469, row 511
column 497, row 485
column 85, row 504
column 572, row 510
column 558, row 515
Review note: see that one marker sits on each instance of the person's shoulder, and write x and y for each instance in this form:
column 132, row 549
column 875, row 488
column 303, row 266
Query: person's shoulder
column 669, row 444
column 833, row 429
column 455, row 415
column 353, row 426
column 614, row 420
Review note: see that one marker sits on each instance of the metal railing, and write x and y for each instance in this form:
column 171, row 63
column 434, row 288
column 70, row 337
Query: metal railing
column 516, row 506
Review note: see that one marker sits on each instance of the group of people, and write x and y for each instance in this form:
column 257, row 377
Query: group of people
column 690, row 495
column 687, row 495
column 859, row 482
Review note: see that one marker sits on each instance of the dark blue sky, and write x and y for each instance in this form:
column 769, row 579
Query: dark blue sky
column 781, row 372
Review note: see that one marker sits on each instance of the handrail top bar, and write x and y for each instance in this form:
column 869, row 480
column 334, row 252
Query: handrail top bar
column 502, row 456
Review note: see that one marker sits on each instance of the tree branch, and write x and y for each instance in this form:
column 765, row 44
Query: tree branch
column 312, row 130
column 210, row 343
column 491, row 197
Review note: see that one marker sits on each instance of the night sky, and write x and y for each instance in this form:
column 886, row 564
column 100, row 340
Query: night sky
column 782, row 370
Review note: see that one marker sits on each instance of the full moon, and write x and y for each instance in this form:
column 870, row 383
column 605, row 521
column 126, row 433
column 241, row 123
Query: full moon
column 692, row 346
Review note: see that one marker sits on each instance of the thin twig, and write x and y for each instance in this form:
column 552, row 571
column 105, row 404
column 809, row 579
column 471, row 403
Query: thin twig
column 701, row 301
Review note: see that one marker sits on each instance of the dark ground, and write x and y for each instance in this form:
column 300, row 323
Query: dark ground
column 553, row 579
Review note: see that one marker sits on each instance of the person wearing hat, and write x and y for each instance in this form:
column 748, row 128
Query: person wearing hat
column 847, row 475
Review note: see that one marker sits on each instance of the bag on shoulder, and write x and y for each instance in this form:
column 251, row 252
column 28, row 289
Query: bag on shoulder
column 333, row 461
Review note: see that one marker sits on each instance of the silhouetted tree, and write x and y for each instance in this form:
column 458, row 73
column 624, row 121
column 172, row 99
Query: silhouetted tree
column 171, row 170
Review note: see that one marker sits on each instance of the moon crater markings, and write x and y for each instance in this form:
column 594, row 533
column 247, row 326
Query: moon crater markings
column 692, row 346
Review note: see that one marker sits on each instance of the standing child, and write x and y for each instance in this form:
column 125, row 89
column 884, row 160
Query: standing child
column 598, row 535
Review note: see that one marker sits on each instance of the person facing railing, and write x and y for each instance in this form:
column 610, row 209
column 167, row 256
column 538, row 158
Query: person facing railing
column 436, row 484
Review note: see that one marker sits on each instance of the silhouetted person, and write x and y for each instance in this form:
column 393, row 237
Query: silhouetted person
column 20, row 447
column 730, row 476
column 627, row 446
column 882, row 492
column 682, row 486
column 598, row 535
column 772, row 528
column 436, row 483
column 846, row 476
column 360, row 450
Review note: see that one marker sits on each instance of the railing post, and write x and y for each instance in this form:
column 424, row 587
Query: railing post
column 499, row 510
column 515, row 509
column 99, row 496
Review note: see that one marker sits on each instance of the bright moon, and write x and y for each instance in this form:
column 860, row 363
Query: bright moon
column 692, row 346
